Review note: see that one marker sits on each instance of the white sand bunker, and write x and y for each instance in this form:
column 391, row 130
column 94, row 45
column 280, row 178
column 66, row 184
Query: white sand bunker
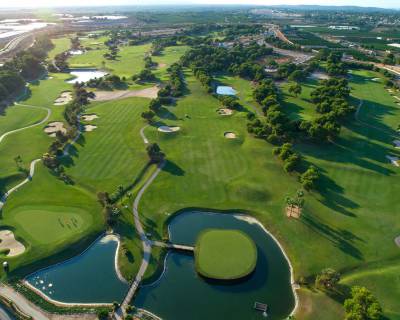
column 225, row 112
column 89, row 127
column 64, row 98
column 318, row 75
column 397, row 241
column 230, row 135
column 53, row 127
column 168, row 129
column 394, row 160
column 10, row 244
column 397, row 143
column 89, row 117
column 121, row 94
column 376, row 79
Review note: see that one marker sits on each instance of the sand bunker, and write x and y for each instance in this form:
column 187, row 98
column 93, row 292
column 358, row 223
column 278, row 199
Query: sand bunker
column 64, row 98
column 89, row 117
column 162, row 65
column 397, row 241
column 397, row 143
column 394, row 160
column 168, row 129
column 53, row 127
column 376, row 79
column 319, row 75
column 121, row 94
column 230, row 135
column 293, row 211
column 10, row 244
column 396, row 97
column 225, row 112
column 89, row 127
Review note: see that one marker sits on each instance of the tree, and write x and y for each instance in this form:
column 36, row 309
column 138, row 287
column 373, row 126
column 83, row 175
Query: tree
column 362, row 305
column 309, row 178
column 155, row 154
column 295, row 89
column 148, row 115
column 327, row 279
column 102, row 314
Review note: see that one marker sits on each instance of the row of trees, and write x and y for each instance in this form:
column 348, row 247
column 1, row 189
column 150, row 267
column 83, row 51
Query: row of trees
column 26, row 65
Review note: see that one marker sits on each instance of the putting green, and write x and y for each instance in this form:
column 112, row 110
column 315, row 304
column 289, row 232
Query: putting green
column 225, row 254
column 51, row 223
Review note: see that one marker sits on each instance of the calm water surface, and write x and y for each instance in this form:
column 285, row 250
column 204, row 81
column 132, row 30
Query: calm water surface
column 88, row 278
column 180, row 294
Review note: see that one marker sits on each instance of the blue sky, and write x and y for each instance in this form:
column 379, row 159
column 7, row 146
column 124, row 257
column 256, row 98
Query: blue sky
column 52, row 3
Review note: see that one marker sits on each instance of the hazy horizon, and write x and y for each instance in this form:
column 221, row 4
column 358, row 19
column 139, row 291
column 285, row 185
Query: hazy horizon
column 391, row 4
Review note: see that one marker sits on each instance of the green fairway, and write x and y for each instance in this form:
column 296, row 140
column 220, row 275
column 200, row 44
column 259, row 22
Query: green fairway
column 31, row 143
column 114, row 153
column 60, row 45
column 129, row 60
column 167, row 57
column 16, row 117
column 225, row 254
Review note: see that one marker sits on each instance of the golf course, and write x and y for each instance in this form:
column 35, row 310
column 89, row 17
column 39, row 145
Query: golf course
column 194, row 204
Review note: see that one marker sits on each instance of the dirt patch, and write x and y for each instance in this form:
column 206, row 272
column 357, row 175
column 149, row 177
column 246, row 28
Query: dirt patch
column 168, row 129
column 225, row 112
column 89, row 127
column 63, row 99
column 162, row 65
column 89, row 117
column 150, row 93
column 394, row 160
column 10, row 244
column 230, row 135
column 293, row 212
column 53, row 127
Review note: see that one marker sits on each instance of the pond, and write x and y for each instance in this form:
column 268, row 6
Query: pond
column 181, row 294
column 225, row 90
column 88, row 278
column 84, row 75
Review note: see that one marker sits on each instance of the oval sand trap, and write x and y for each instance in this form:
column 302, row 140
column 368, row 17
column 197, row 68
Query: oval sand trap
column 397, row 241
column 89, row 127
column 53, row 127
column 225, row 112
column 230, row 135
column 168, row 129
column 8, row 242
column 64, row 98
column 89, row 117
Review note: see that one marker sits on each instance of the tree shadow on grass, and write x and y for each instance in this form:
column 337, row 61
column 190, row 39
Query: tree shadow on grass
column 172, row 168
column 164, row 113
column 340, row 238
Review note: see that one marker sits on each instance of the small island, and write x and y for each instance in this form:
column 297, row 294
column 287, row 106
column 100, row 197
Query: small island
column 225, row 254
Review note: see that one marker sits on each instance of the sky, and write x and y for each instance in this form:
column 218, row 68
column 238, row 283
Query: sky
column 58, row 3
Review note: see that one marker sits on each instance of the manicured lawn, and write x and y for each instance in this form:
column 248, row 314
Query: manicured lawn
column 114, row 153
column 60, row 45
column 16, row 117
column 225, row 254
column 129, row 60
column 384, row 282
column 51, row 217
column 30, row 144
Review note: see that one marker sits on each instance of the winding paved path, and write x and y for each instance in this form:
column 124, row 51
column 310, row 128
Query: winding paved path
column 146, row 243
column 30, row 126
column 145, row 140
